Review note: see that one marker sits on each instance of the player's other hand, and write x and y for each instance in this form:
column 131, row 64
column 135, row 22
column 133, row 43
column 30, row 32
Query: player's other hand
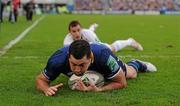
column 51, row 91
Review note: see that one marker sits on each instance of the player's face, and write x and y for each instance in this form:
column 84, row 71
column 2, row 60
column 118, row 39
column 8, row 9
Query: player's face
column 76, row 32
column 79, row 66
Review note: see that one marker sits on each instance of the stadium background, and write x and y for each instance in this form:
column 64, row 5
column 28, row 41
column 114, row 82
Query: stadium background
column 104, row 6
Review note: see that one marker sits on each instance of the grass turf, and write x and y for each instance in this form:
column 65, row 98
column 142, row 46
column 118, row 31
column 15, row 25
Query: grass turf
column 159, row 36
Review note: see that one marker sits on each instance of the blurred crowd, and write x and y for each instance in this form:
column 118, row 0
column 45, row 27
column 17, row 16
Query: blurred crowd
column 127, row 5
column 12, row 8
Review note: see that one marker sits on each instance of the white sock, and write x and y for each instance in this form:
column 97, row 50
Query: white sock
column 120, row 44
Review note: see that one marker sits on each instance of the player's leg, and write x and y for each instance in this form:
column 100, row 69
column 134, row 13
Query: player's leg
column 135, row 66
column 15, row 15
column 135, row 44
column 120, row 44
column 130, row 72
column 93, row 27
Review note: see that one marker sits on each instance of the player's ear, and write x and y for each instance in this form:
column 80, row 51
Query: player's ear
column 92, row 57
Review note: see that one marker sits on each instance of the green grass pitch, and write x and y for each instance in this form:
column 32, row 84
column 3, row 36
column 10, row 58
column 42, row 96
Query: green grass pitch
column 159, row 35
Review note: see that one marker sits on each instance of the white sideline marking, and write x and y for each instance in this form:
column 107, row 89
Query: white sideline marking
column 19, row 37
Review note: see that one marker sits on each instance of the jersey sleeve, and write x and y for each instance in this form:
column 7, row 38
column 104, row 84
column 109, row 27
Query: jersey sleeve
column 68, row 40
column 110, row 63
column 54, row 66
column 89, row 36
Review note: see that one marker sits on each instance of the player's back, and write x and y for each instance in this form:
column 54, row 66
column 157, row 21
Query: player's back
column 99, row 50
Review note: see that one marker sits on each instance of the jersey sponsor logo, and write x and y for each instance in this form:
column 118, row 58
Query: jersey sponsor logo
column 112, row 64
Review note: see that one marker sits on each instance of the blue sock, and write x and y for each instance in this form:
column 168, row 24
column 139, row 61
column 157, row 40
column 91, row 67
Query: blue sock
column 137, row 65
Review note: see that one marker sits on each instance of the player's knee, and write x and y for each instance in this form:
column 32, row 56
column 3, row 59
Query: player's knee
column 132, row 75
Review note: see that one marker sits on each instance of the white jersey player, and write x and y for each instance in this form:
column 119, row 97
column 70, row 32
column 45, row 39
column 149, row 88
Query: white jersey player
column 77, row 33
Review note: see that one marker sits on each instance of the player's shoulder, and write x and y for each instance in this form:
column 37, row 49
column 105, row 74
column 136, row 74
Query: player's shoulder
column 86, row 31
column 59, row 56
column 68, row 39
column 68, row 36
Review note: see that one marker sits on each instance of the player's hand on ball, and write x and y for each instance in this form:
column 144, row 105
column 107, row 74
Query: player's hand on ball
column 79, row 85
column 90, row 81
column 52, row 90
column 82, row 87
column 93, row 87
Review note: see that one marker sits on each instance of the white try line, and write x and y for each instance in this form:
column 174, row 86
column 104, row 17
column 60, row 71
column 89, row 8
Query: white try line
column 19, row 37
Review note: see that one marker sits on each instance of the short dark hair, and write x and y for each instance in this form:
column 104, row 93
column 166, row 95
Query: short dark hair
column 79, row 48
column 73, row 24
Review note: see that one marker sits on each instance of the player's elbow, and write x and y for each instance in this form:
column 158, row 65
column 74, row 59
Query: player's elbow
column 40, row 80
column 122, row 85
column 125, row 85
column 37, row 83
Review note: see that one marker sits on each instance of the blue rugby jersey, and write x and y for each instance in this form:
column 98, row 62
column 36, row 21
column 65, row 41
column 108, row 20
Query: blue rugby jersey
column 105, row 62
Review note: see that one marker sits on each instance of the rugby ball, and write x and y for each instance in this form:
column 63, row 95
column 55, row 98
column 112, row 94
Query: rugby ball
column 72, row 81
column 95, row 77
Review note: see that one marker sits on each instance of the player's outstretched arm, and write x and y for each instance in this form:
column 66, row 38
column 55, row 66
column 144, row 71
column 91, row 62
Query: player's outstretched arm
column 118, row 82
column 42, row 84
